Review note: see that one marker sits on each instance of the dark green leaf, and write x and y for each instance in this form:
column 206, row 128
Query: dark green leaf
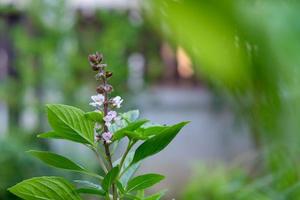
column 45, row 188
column 69, row 122
column 153, row 130
column 157, row 143
column 135, row 135
column 143, row 182
column 145, row 133
column 110, row 178
column 56, row 160
column 130, row 127
column 54, row 135
column 95, row 116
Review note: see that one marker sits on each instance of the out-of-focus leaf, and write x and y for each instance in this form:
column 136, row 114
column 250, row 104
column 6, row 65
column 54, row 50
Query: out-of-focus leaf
column 131, row 116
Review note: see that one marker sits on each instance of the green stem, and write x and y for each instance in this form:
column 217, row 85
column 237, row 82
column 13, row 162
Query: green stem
column 129, row 146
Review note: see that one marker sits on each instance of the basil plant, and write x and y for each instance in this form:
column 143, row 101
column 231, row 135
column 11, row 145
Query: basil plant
column 101, row 131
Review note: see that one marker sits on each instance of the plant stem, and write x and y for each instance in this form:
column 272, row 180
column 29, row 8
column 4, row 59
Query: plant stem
column 129, row 146
column 106, row 145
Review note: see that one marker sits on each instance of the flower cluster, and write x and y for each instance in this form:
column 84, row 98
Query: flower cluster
column 101, row 101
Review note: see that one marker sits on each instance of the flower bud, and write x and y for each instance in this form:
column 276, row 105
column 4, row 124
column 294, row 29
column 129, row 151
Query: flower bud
column 95, row 67
column 100, row 89
column 108, row 74
column 108, row 88
column 95, row 58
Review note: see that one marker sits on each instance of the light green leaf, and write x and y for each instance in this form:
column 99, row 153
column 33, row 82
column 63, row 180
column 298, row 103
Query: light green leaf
column 88, row 184
column 94, row 116
column 143, row 182
column 131, row 116
column 157, row 143
column 156, row 196
column 130, row 127
column 88, row 187
column 69, row 122
column 110, row 178
column 129, row 173
column 56, row 160
column 45, row 188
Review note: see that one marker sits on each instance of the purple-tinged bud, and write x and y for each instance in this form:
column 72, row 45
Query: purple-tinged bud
column 95, row 58
column 97, row 138
column 108, row 88
column 100, row 89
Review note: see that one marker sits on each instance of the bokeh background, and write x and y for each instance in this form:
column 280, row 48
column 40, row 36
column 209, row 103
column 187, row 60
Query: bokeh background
column 230, row 67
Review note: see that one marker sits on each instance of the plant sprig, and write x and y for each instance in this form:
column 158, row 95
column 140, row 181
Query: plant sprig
column 98, row 130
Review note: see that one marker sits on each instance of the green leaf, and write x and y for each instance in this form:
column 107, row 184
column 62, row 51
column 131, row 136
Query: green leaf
column 130, row 127
column 129, row 173
column 135, row 135
column 153, row 130
column 120, row 187
column 110, row 178
column 69, row 123
column 156, row 196
column 145, row 133
column 88, row 184
column 143, row 182
column 54, row 135
column 128, row 170
column 94, row 116
column 56, row 160
column 131, row 116
column 90, row 191
column 140, row 193
column 88, row 187
column 45, row 188
column 157, row 143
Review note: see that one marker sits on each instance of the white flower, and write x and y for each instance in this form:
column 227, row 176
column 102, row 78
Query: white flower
column 117, row 101
column 110, row 116
column 108, row 124
column 106, row 136
column 98, row 100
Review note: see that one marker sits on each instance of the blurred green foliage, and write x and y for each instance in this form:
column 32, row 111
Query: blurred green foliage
column 248, row 52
